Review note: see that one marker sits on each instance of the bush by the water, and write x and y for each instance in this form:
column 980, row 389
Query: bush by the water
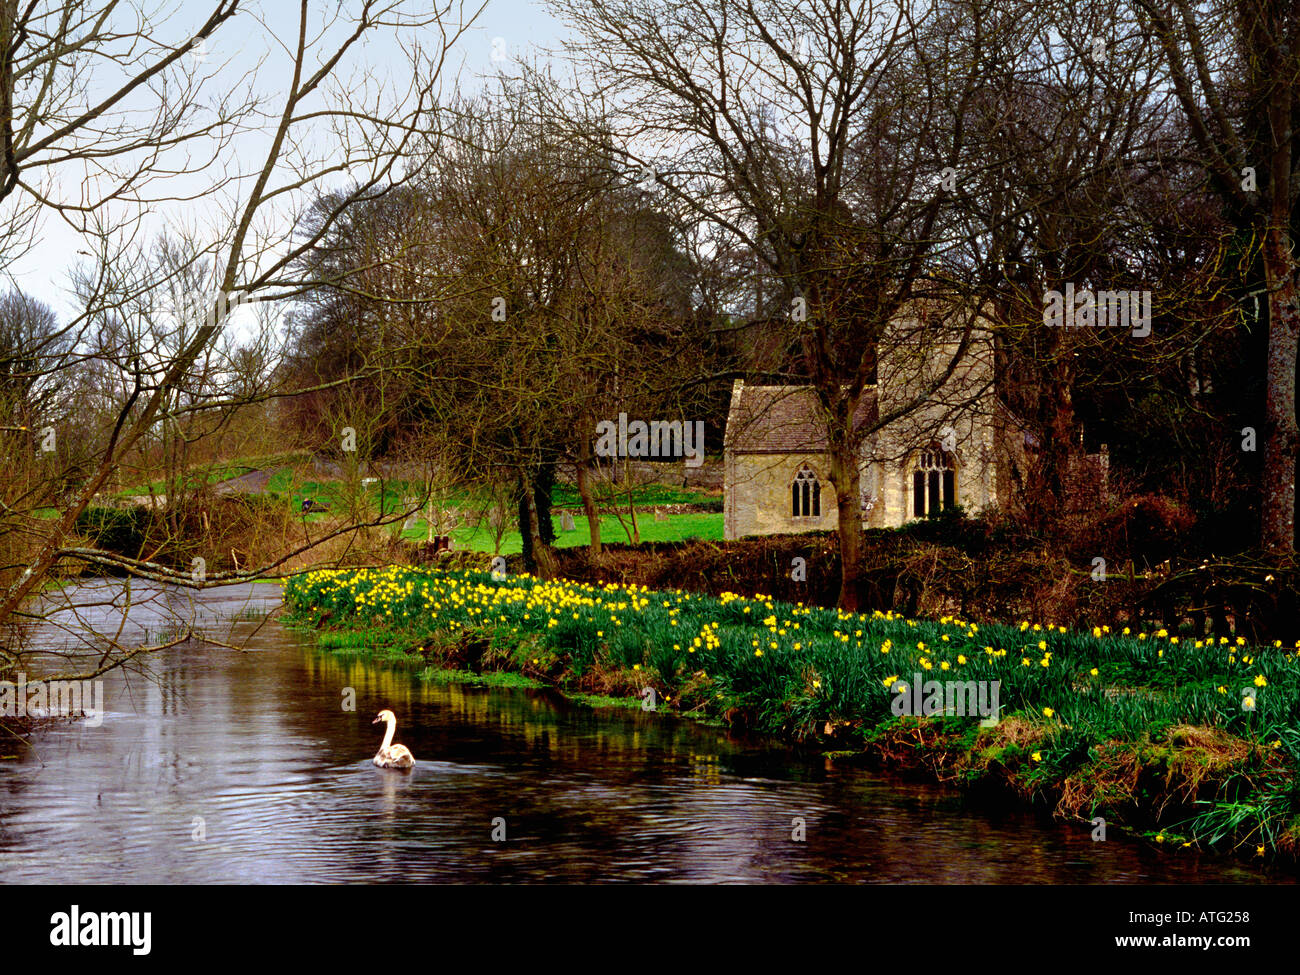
column 227, row 531
column 119, row 530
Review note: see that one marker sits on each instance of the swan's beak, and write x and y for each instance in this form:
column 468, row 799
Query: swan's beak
column 376, row 721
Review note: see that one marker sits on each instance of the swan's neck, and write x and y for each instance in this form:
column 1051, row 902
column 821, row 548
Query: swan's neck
column 388, row 735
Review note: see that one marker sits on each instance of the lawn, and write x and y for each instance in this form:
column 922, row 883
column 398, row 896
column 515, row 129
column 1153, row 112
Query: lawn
column 705, row 525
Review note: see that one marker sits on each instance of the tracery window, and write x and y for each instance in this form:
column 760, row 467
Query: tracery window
column 806, row 494
column 934, row 481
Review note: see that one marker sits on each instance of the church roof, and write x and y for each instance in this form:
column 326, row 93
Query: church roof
column 784, row 419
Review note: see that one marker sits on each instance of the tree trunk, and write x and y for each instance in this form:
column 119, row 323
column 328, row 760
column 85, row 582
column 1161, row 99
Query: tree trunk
column 543, row 486
column 846, row 477
column 588, row 505
column 1047, row 488
column 1277, row 492
column 543, row 557
column 631, row 501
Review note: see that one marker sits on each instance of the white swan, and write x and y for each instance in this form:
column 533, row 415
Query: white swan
column 390, row 755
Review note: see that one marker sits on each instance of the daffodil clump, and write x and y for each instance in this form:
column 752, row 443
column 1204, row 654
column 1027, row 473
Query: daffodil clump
column 830, row 665
column 796, row 670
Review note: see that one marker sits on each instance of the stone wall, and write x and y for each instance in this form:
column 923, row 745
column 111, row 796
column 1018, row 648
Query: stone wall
column 893, row 455
column 758, row 495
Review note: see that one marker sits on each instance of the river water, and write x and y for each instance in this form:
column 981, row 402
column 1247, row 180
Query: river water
column 220, row 765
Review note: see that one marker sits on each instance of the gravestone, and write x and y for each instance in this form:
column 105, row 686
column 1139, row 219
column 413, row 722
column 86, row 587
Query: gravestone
column 660, row 516
column 566, row 521
column 414, row 516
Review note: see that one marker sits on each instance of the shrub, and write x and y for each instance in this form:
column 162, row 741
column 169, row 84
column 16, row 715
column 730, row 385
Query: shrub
column 119, row 530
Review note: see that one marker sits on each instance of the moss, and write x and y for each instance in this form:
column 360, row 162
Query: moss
column 605, row 701
column 438, row 675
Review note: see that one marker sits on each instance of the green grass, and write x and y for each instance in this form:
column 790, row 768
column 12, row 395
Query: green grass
column 705, row 525
column 566, row 496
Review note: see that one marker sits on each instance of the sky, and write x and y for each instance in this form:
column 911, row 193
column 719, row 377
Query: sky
column 505, row 30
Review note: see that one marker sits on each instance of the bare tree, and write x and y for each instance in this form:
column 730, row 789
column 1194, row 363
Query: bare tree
column 817, row 135
column 1233, row 68
column 33, row 350
column 72, row 82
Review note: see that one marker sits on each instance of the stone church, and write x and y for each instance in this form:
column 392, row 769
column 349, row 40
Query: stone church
column 959, row 446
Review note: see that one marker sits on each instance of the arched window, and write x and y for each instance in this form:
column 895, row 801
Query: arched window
column 934, row 481
column 806, row 494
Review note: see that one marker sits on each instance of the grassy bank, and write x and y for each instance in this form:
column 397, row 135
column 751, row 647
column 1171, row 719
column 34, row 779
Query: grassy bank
column 676, row 527
column 1192, row 742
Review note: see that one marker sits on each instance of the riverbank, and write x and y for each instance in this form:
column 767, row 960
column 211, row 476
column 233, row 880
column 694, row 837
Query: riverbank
column 1191, row 743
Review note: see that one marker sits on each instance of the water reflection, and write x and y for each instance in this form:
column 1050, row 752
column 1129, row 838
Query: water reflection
column 224, row 766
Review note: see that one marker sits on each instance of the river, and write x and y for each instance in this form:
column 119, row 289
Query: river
column 218, row 765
